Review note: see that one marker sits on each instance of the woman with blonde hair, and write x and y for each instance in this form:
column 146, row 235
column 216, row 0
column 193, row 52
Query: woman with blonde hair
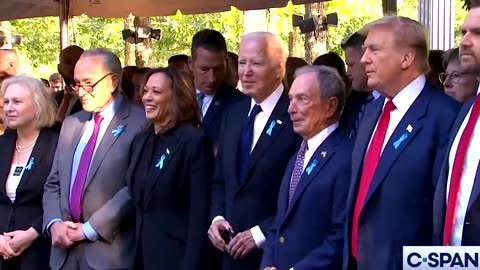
column 27, row 155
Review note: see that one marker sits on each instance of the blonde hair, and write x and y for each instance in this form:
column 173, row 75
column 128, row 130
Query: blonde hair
column 408, row 33
column 43, row 101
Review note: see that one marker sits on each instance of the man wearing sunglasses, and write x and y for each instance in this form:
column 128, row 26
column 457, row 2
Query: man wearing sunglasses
column 85, row 200
column 458, row 83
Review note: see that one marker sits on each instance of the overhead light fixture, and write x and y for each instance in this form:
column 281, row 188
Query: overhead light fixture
column 140, row 34
column 314, row 23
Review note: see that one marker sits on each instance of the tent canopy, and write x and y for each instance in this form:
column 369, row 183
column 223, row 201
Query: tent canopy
column 19, row 9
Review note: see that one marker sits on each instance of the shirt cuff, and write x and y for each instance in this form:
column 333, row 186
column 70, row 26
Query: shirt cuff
column 258, row 236
column 47, row 229
column 217, row 218
column 89, row 232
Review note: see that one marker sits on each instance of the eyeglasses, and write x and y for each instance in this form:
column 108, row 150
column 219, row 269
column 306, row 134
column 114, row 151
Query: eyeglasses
column 88, row 87
column 455, row 76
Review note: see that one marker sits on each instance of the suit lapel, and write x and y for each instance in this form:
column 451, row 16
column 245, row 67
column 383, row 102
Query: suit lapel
column 284, row 189
column 213, row 109
column 6, row 158
column 321, row 156
column 108, row 139
column 239, row 119
column 272, row 129
column 75, row 132
column 39, row 152
column 404, row 133
column 475, row 189
column 134, row 163
column 160, row 165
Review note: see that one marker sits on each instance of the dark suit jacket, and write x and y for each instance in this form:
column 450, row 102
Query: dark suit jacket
column 235, row 199
column 471, row 225
column 398, row 208
column 27, row 211
column 310, row 233
column 173, row 203
column 225, row 96
column 353, row 106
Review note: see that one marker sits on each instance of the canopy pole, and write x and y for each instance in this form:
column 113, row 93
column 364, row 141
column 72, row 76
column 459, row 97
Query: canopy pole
column 63, row 6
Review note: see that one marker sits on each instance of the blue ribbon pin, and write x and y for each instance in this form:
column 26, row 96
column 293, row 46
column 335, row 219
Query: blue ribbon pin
column 118, row 130
column 271, row 127
column 397, row 143
column 159, row 164
column 311, row 167
column 31, row 162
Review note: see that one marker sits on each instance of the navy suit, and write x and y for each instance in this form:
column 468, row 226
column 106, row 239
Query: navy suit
column 353, row 107
column 224, row 97
column 251, row 201
column 398, row 207
column 309, row 234
column 471, row 226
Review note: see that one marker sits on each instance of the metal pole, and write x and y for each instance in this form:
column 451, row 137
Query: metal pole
column 63, row 8
column 439, row 18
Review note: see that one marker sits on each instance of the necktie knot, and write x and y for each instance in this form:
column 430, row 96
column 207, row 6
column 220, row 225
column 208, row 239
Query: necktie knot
column 255, row 110
column 200, row 96
column 390, row 106
column 304, row 146
column 98, row 119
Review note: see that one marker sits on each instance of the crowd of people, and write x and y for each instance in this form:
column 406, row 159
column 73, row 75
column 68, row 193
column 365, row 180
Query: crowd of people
column 221, row 161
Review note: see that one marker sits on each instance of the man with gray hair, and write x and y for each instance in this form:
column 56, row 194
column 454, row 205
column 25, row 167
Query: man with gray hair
column 258, row 140
column 86, row 202
column 399, row 150
column 308, row 231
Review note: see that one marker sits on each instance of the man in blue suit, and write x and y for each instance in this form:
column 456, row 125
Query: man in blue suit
column 308, row 231
column 399, row 150
column 457, row 201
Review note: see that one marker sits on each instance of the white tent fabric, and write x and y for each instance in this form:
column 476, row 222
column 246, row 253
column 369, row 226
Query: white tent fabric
column 18, row 9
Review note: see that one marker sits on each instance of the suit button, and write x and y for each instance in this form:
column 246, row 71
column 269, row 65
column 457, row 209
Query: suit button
column 282, row 239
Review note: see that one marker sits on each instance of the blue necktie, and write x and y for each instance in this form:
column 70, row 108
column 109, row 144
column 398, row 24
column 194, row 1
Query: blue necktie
column 246, row 142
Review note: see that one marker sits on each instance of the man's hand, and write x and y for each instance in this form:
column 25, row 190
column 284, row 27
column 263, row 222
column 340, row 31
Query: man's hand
column 5, row 250
column 59, row 233
column 75, row 232
column 214, row 233
column 21, row 240
column 241, row 245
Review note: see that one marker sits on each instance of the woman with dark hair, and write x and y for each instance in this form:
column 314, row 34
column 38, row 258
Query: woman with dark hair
column 26, row 158
column 169, row 176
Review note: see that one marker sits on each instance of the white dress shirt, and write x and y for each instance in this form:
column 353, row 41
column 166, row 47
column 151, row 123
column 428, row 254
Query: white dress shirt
column 468, row 176
column 403, row 101
column 261, row 120
column 13, row 181
column 206, row 101
column 315, row 142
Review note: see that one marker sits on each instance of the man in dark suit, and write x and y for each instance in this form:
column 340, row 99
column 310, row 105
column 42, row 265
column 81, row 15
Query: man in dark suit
column 457, row 205
column 258, row 141
column 308, row 231
column 208, row 63
column 87, row 207
column 361, row 94
column 398, row 152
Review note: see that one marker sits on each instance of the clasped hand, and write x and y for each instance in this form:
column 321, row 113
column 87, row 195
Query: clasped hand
column 12, row 244
column 239, row 246
column 66, row 233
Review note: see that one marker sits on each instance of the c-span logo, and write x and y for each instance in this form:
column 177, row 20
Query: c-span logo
column 422, row 258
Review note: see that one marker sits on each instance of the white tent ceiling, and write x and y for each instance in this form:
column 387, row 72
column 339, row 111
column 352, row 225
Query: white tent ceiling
column 17, row 9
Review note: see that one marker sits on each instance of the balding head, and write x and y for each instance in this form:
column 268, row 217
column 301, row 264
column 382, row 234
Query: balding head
column 8, row 63
column 261, row 64
column 68, row 58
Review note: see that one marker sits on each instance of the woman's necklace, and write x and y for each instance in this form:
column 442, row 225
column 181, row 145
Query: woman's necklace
column 27, row 148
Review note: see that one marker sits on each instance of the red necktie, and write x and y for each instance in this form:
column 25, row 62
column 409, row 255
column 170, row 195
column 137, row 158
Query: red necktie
column 371, row 161
column 457, row 172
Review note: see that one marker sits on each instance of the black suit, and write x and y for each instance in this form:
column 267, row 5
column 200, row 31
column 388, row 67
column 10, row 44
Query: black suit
column 27, row 211
column 353, row 107
column 225, row 96
column 170, row 187
column 252, row 201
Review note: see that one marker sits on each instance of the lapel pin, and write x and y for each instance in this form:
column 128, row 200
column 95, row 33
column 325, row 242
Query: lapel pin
column 270, row 128
column 410, row 128
column 159, row 164
column 400, row 140
column 279, row 121
column 311, row 167
column 31, row 162
column 324, row 154
column 118, row 130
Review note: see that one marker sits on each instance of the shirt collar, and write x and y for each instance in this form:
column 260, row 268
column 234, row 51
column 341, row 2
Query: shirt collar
column 405, row 98
column 207, row 96
column 109, row 111
column 270, row 102
column 375, row 94
column 478, row 90
column 317, row 140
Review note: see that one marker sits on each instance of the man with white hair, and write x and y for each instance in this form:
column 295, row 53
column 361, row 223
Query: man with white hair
column 258, row 141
